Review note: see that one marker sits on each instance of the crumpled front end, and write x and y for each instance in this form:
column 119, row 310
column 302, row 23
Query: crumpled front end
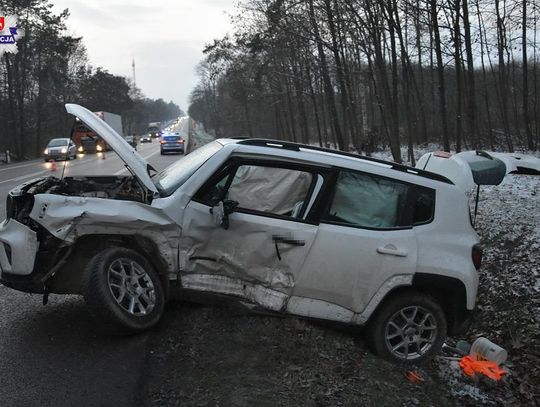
column 55, row 227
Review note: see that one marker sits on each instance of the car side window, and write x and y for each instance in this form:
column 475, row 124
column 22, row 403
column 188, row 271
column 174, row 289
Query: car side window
column 278, row 191
column 369, row 201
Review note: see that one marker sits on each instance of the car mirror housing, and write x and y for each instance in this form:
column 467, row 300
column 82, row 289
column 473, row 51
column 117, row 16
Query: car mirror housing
column 221, row 212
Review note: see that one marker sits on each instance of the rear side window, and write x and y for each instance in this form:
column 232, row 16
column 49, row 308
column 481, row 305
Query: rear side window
column 424, row 205
column 373, row 202
column 369, row 201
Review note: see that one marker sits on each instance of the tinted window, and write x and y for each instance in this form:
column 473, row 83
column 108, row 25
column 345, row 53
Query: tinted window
column 369, row 201
column 171, row 138
column 424, row 205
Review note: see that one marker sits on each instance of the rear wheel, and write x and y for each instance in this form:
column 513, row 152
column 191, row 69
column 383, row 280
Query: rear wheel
column 123, row 291
column 408, row 328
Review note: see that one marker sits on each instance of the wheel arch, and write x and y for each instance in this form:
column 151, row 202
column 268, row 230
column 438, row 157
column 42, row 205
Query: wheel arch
column 449, row 292
column 69, row 279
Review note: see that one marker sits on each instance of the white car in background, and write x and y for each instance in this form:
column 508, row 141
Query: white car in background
column 288, row 228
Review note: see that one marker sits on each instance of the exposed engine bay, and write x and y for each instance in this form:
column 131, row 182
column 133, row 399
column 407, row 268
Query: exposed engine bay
column 127, row 188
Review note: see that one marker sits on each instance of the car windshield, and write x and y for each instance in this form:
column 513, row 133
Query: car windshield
column 58, row 142
column 153, row 129
column 171, row 138
column 168, row 180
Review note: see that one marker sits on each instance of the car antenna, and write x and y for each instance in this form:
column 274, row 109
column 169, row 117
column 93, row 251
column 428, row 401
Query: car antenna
column 67, row 155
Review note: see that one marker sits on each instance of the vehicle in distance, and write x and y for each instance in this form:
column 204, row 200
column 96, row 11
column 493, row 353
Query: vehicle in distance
column 89, row 141
column 288, row 228
column 60, row 149
column 154, row 129
column 146, row 139
column 171, row 143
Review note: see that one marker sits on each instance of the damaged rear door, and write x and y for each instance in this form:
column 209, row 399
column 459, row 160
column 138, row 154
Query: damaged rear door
column 258, row 252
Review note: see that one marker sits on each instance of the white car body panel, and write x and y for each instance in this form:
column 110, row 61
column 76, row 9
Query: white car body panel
column 356, row 270
column 453, row 168
column 70, row 217
column 515, row 160
column 23, row 244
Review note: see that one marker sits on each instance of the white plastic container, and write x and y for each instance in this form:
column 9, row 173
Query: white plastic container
column 484, row 349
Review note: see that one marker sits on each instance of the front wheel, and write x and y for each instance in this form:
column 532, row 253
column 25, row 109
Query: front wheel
column 123, row 291
column 408, row 328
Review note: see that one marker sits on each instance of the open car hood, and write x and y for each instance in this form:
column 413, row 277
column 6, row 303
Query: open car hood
column 133, row 160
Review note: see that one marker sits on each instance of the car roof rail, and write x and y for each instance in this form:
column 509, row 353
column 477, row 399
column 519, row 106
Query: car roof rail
column 288, row 145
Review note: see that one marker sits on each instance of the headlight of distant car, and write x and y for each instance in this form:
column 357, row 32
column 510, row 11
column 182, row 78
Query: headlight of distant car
column 80, row 149
column 63, row 150
column 99, row 148
column 46, row 151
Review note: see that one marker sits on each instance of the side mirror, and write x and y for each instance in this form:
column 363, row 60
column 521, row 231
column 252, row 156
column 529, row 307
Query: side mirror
column 222, row 211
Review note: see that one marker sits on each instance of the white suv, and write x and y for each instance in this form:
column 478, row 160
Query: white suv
column 289, row 228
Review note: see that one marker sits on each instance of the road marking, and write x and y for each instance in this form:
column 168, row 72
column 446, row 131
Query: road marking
column 19, row 166
column 146, row 158
column 34, row 174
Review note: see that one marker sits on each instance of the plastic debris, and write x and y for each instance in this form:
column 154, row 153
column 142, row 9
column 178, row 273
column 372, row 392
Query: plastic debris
column 414, row 377
column 471, row 367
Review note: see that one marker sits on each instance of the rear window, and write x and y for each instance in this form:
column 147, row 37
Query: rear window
column 171, row 138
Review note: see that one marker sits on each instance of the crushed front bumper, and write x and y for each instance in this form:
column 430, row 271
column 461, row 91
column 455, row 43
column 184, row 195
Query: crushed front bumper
column 18, row 248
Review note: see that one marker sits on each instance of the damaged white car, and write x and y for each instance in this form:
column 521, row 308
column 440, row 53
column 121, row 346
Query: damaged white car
column 284, row 227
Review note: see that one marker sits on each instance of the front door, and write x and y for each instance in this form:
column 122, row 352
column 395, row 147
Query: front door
column 259, row 256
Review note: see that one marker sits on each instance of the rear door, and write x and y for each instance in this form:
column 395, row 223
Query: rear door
column 260, row 255
column 365, row 242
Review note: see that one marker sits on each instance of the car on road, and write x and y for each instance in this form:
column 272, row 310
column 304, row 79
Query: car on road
column 282, row 227
column 171, row 143
column 146, row 139
column 60, row 149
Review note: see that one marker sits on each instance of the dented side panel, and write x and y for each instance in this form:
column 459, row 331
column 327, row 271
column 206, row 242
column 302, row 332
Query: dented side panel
column 70, row 217
column 246, row 250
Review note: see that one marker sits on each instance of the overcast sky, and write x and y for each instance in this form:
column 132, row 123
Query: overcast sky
column 165, row 37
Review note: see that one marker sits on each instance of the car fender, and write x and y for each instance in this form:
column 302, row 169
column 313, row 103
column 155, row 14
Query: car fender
column 70, row 217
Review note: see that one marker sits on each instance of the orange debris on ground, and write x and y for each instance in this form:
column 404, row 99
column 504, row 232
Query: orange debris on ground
column 414, row 377
column 471, row 367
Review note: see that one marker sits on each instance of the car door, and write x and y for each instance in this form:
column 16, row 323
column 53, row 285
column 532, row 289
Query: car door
column 259, row 256
column 365, row 240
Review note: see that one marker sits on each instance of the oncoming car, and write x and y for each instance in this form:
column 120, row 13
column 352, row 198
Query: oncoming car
column 146, row 139
column 60, row 149
column 288, row 228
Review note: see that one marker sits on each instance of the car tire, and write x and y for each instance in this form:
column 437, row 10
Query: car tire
column 123, row 291
column 407, row 328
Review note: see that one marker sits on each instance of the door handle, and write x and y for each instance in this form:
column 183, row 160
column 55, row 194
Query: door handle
column 288, row 240
column 392, row 250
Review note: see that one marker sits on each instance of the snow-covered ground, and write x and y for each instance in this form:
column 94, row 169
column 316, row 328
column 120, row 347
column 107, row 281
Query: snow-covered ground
column 508, row 223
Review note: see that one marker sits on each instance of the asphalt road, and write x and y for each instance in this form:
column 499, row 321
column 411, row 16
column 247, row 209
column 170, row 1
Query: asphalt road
column 52, row 355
